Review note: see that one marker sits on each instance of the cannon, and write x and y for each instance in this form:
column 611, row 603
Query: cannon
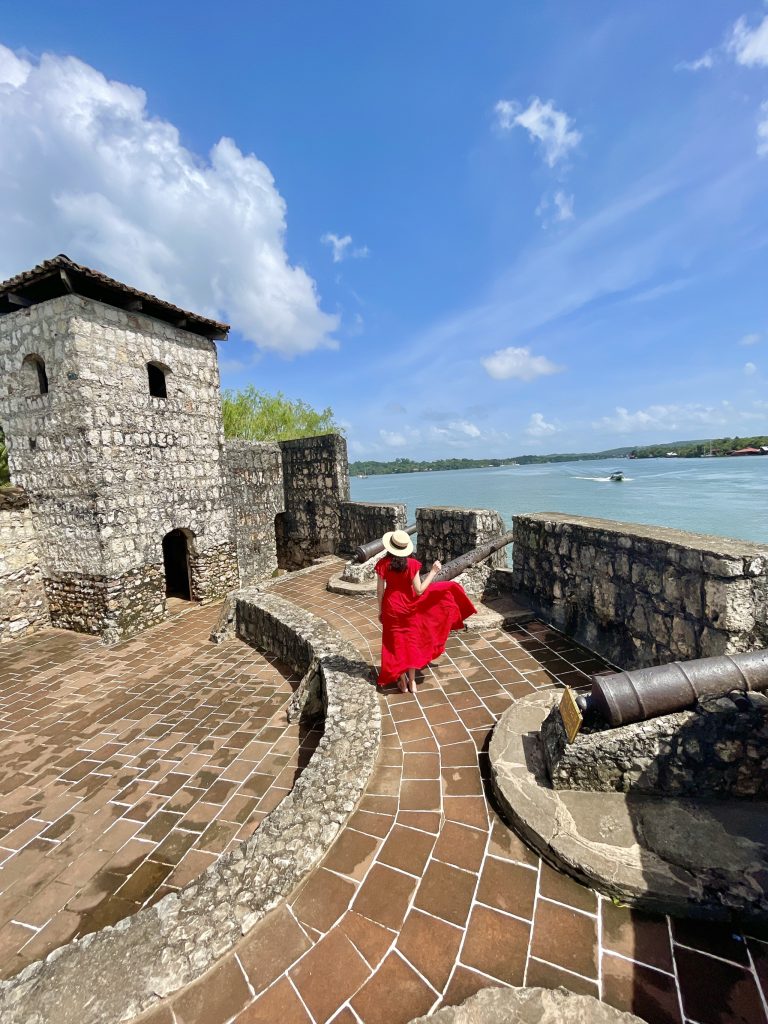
column 662, row 689
column 375, row 547
column 459, row 565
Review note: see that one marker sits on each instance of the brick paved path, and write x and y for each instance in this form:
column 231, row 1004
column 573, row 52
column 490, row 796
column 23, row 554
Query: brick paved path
column 426, row 897
column 125, row 771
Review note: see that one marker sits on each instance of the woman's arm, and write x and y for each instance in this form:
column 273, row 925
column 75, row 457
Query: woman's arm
column 380, row 588
column 419, row 584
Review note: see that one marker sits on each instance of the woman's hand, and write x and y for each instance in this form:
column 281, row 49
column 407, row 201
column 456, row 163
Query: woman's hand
column 436, row 567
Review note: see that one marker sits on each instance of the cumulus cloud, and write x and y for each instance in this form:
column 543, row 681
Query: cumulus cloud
column 538, row 426
column 393, row 439
column 750, row 339
column 750, row 369
column 749, row 45
column 342, row 247
column 92, row 173
column 665, row 417
column 543, row 122
column 506, row 363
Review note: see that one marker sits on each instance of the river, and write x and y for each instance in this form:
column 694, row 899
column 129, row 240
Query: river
column 723, row 496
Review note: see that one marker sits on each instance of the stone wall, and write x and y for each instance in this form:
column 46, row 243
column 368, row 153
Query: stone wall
column 110, row 608
column 642, row 595
column 718, row 748
column 444, row 533
column 111, row 469
column 363, row 521
column 23, row 604
column 254, row 472
column 316, row 482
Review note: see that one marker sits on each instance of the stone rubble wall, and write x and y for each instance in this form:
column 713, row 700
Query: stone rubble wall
column 113, row 469
column 316, row 483
column 120, row 972
column 444, row 533
column 23, row 603
column 113, row 609
column 642, row 595
column 363, row 521
column 718, row 748
column 254, row 473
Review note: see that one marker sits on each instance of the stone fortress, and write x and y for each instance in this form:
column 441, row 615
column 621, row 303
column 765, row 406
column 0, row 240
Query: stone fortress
column 111, row 408
column 327, row 877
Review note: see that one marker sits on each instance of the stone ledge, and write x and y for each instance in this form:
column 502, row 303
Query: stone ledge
column 529, row 1006
column 686, row 857
column 120, row 972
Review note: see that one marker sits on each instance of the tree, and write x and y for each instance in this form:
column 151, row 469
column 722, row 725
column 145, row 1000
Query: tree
column 256, row 416
column 5, row 476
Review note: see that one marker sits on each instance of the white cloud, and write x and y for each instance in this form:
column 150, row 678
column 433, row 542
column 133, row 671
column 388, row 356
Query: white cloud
column 703, row 63
column 342, row 247
column 749, row 46
column 762, row 130
column 92, row 173
column 750, row 369
column 556, row 209
column 401, row 437
column 750, row 339
column 665, row 417
column 551, row 127
column 538, row 426
column 564, row 206
column 510, row 362
column 393, row 439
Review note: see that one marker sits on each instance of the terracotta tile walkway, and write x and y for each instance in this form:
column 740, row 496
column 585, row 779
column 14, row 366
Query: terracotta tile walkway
column 125, row 771
column 427, row 897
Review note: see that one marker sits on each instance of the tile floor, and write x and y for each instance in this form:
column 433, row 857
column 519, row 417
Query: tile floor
column 426, row 897
column 126, row 771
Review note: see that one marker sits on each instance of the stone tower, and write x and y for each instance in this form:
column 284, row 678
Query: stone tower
column 110, row 403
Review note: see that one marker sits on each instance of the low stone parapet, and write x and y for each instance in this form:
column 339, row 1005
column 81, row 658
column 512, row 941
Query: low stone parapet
column 364, row 521
column 446, row 533
column 642, row 595
column 717, row 748
column 120, row 972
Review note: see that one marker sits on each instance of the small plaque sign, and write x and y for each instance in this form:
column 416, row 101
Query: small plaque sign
column 570, row 714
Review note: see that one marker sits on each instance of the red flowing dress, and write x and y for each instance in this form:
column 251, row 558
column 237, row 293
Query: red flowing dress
column 415, row 628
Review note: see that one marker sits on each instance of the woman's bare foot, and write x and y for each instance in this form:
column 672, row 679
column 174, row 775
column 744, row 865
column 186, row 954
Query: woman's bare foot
column 402, row 683
column 412, row 681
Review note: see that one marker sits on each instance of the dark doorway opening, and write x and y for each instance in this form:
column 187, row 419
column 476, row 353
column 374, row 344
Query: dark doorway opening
column 176, row 562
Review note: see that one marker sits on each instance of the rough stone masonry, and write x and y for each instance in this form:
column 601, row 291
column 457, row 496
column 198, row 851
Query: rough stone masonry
column 113, row 423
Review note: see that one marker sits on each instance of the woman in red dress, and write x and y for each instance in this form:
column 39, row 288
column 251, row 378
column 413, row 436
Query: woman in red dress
column 416, row 615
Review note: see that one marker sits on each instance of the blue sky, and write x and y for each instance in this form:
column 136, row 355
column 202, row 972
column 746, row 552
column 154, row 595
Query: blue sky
column 473, row 230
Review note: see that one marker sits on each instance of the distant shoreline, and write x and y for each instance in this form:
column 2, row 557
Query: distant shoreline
column 706, row 448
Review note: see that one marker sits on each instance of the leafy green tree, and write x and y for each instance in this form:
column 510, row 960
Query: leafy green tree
column 5, row 476
column 257, row 416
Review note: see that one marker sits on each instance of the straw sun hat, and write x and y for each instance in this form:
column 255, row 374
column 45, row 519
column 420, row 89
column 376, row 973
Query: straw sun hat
column 398, row 543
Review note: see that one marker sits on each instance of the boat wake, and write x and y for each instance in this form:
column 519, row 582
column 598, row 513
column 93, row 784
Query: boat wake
column 603, row 479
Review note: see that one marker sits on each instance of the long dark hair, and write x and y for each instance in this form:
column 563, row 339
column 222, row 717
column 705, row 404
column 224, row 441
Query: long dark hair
column 397, row 563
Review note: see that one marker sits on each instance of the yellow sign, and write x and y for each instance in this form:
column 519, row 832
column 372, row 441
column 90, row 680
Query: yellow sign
column 570, row 714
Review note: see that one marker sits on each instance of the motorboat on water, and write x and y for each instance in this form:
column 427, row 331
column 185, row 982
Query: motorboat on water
column 617, row 476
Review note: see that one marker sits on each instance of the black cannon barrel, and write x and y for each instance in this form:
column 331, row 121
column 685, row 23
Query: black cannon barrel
column 375, row 547
column 648, row 692
column 459, row 565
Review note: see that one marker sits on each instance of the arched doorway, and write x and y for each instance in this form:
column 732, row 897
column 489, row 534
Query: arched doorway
column 176, row 563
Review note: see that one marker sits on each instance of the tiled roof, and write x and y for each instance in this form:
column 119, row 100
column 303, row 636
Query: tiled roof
column 62, row 275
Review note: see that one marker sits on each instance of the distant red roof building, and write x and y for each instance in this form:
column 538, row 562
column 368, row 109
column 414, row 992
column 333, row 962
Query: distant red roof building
column 748, row 451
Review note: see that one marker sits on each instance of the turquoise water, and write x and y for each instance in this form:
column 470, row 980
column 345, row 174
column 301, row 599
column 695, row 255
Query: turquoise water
column 723, row 496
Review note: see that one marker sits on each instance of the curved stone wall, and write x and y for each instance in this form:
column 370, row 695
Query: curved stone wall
column 118, row 973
